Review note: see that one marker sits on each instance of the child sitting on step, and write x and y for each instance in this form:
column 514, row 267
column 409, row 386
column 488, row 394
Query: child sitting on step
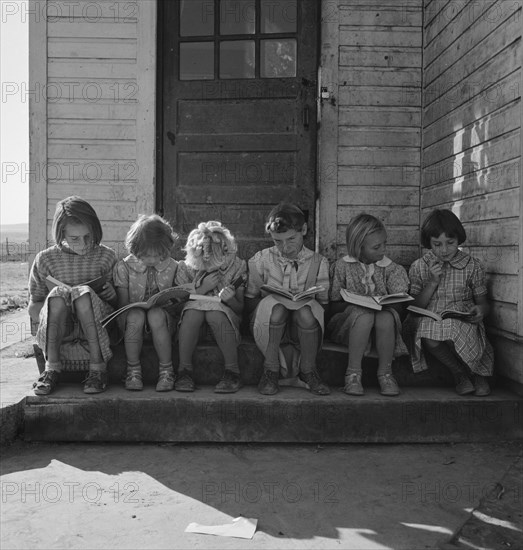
column 212, row 268
column 368, row 272
column 275, row 320
column 68, row 314
column 448, row 278
column 147, row 270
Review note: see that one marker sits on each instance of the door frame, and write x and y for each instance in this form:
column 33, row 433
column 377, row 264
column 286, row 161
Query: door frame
column 327, row 112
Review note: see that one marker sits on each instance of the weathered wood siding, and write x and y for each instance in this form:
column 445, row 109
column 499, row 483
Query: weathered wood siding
column 472, row 146
column 379, row 137
column 96, row 93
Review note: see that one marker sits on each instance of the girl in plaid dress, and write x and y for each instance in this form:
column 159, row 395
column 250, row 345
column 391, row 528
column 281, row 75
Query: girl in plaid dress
column 68, row 316
column 448, row 278
column 367, row 271
column 210, row 268
column 147, row 270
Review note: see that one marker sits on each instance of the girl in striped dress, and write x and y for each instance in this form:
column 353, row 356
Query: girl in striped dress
column 68, row 315
column 448, row 278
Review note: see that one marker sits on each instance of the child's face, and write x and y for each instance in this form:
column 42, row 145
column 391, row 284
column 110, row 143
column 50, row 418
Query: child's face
column 443, row 247
column 373, row 247
column 78, row 238
column 289, row 243
column 151, row 259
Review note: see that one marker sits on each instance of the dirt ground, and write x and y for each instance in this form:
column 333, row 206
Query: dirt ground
column 303, row 496
column 13, row 286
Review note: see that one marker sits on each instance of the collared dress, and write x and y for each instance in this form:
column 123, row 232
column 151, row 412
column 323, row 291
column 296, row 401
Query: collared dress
column 232, row 268
column 72, row 269
column 142, row 281
column 377, row 279
column 462, row 281
column 269, row 267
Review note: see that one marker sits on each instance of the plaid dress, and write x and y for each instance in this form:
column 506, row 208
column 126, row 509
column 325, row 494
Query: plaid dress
column 462, row 281
column 378, row 279
column 72, row 269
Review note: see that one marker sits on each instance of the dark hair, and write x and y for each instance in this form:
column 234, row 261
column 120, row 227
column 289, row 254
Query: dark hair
column 442, row 221
column 150, row 234
column 358, row 228
column 76, row 211
column 283, row 217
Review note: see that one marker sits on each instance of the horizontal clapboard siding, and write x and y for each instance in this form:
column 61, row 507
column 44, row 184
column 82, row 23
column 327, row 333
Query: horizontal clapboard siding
column 379, row 138
column 472, row 141
column 93, row 99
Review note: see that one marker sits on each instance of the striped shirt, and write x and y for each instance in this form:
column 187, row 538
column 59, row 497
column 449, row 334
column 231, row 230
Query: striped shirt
column 69, row 268
column 269, row 267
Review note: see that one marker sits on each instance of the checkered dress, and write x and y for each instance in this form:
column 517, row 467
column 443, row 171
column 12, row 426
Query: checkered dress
column 72, row 269
column 462, row 281
column 383, row 277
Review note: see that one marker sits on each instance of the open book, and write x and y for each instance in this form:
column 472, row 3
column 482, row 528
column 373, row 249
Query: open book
column 303, row 295
column 165, row 299
column 96, row 284
column 446, row 314
column 375, row 302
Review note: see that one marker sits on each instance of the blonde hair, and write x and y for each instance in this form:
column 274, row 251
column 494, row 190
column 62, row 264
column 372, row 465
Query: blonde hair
column 208, row 245
column 360, row 227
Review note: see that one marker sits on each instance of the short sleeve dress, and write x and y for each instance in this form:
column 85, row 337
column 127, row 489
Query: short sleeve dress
column 463, row 280
column 72, row 269
column 378, row 279
column 233, row 268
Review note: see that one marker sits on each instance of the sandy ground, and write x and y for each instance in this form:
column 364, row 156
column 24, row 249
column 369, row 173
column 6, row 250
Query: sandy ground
column 343, row 496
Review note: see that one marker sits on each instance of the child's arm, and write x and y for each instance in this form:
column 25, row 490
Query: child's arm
column 233, row 298
column 481, row 309
column 423, row 298
column 37, row 290
column 109, row 294
column 479, row 290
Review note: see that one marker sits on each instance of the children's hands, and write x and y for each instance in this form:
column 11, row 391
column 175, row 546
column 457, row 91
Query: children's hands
column 479, row 314
column 435, row 272
column 227, row 293
column 209, row 282
column 108, row 293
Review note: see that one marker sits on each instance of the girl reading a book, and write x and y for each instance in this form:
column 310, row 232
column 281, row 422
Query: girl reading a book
column 68, row 314
column 368, row 272
column 279, row 324
column 211, row 268
column 448, row 278
column 147, row 270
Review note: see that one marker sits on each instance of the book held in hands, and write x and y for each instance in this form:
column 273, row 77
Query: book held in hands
column 165, row 299
column 375, row 302
column 295, row 297
column 96, row 284
column 446, row 314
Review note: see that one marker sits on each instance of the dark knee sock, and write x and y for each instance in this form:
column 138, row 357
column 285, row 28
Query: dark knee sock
column 444, row 354
column 309, row 339
column 272, row 360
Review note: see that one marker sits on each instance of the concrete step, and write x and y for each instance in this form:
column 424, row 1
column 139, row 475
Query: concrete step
column 292, row 416
column 332, row 363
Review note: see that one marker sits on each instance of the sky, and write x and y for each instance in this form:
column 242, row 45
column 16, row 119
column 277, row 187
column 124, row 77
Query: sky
column 14, row 112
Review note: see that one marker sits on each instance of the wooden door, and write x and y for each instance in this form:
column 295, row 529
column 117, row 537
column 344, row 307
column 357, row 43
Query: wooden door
column 237, row 113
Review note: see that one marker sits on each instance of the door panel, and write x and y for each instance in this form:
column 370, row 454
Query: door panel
column 237, row 126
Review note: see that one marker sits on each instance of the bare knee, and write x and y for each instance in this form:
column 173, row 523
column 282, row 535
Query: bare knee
column 367, row 319
column 279, row 314
column 83, row 304
column 384, row 320
column 430, row 344
column 304, row 318
column 57, row 306
column 156, row 318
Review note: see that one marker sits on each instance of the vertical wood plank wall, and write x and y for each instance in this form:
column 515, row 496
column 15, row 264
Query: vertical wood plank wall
column 472, row 145
column 95, row 88
column 380, row 63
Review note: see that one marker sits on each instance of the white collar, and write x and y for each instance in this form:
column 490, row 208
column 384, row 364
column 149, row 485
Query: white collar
column 384, row 262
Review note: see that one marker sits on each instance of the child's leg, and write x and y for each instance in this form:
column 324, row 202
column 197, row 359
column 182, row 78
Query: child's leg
column 309, row 334
column 96, row 381
column 444, row 353
column 157, row 319
column 277, row 325
column 358, row 340
column 225, row 337
column 268, row 384
column 56, row 324
column 385, row 331
column 133, row 341
column 188, row 335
